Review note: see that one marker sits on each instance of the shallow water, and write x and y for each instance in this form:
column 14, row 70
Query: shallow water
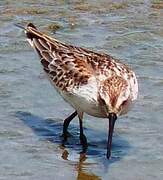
column 32, row 113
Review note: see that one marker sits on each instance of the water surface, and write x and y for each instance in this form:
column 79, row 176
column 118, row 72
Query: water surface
column 32, row 113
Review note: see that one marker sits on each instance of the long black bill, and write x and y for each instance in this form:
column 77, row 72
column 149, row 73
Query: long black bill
column 112, row 118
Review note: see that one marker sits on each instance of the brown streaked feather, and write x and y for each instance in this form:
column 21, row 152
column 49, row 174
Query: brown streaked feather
column 114, row 86
column 69, row 63
column 92, row 83
column 44, row 44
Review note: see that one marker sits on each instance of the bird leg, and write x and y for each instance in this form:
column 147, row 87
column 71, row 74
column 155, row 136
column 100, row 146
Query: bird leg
column 83, row 139
column 66, row 123
column 112, row 118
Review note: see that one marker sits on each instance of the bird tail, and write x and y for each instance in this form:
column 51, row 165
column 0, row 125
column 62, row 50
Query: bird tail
column 32, row 33
column 43, row 44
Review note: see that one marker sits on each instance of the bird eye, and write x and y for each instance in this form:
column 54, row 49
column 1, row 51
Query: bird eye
column 102, row 101
column 124, row 103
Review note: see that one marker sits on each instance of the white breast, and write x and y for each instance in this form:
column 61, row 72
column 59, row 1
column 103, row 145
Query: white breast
column 85, row 99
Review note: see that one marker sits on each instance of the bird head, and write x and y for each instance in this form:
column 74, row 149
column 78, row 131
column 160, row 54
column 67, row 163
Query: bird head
column 115, row 93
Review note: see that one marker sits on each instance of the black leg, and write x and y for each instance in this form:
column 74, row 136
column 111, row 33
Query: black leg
column 66, row 124
column 83, row 138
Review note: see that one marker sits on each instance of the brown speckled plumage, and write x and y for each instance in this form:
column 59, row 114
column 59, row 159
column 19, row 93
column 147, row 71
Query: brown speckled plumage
column 92, row 83
column 70, row 67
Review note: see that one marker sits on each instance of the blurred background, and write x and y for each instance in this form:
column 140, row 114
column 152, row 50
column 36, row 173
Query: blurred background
column 32, row 113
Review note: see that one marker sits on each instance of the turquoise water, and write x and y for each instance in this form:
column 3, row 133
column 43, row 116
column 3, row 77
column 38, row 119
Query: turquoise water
column 32, row 113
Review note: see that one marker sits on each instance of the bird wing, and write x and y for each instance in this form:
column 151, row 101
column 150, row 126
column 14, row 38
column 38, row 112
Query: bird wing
column 67, row 66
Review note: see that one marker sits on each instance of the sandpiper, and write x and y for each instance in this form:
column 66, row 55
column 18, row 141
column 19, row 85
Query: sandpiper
column 91, row 82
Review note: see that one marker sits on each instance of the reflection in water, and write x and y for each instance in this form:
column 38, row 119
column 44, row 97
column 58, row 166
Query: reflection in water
column 81, row 166
column 83, row 174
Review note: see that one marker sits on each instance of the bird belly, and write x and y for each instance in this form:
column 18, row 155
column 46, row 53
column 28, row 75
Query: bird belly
column 84, row 99
column 82, row 104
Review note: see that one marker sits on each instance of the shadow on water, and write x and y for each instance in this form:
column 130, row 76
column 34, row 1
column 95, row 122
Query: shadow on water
column 51, row 129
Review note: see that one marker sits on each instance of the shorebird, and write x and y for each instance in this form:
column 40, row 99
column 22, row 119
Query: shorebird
column 91, row 82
